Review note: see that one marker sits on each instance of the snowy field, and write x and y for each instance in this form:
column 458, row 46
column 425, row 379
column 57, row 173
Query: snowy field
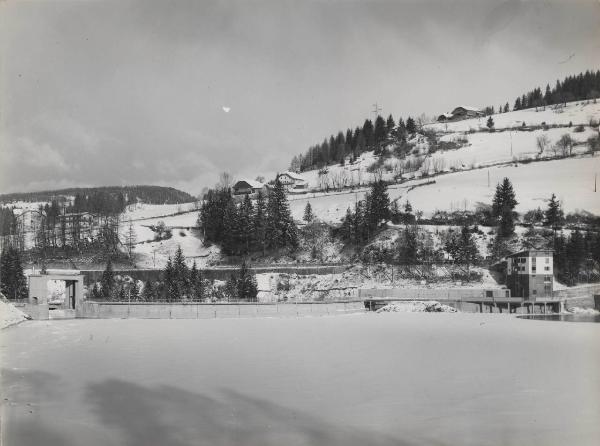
column 367, row 379
column 572, row 180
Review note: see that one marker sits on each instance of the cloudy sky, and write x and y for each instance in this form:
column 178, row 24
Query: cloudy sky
column 132, row 92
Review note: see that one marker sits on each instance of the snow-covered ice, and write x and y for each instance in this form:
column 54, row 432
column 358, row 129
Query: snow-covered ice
column 377, row 379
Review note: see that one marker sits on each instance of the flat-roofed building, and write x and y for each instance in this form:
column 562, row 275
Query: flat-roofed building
column 530, row 273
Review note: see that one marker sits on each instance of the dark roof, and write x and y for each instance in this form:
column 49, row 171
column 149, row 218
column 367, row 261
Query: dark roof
column 527, row 252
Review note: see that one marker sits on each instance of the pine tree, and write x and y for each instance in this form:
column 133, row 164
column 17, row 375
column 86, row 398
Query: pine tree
column 379, row 204
column 180, row 274
column 490, row 123
column 13, row 282
column 245, row 222
column 411, row 127
column 107, row 282
column 247, row 288
column 390, row 124
column 148, row 294
column 308, row 215
column 280, row 225
column 260, row 223
column 502, row 207
column 196, row 283
column 554, row 215
column 503, row 198
column 231, row 228
column 134, row 292
column 408, row 246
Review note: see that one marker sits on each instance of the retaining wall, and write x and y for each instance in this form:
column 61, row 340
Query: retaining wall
column 109, row 310
column 223, row 273
column 578, row 291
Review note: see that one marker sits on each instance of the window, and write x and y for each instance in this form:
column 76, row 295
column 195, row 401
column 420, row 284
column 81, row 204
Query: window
column 489, row 294
column 534, row 292
column 547, row 259
column 546, row 268
column 533, row 269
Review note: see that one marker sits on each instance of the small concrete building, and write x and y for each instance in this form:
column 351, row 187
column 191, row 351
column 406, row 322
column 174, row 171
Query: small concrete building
column 38, row 287
column 530, row 273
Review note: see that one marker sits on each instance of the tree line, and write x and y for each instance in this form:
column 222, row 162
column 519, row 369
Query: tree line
column 583, row 86
column 147, row 194
column 351, row 143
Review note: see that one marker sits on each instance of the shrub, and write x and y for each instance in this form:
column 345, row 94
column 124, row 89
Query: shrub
column 578, row 129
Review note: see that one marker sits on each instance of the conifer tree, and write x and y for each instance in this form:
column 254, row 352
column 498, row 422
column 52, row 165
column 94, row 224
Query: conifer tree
column 107, row 282
column 260, row 223
column 247, row 288
column 280, row 225
column 554, row 215
column 502, row 207
column 411, row 127
column 390, row 125
column 308, row 214
column 148, row 294
column 245, row 222
column 134, row 292
column 490, row 123
column 379, row 204
column 13, row 282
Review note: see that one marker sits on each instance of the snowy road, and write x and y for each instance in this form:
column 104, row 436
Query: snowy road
column 377, row 379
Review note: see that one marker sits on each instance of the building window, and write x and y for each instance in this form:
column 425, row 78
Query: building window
column 547, row 259
column 533, row 268
column 546, row 268
column 534, row 292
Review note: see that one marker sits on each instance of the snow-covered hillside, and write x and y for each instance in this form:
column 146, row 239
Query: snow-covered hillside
column 574, row 112
column 572, row 180
column 461, row 174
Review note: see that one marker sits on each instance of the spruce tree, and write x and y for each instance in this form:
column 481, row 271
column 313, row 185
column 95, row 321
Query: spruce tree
column 148, row 294
column 490, row 123
column 245, row 222
column 308, row 215
column 13, row 282
column 502, row 207
column 280, row 225
column 554, row 215
column 107, row 282
column 379, row 204
column 411, row 127
column 134, row 292
column 260, row 223
column 247, row 288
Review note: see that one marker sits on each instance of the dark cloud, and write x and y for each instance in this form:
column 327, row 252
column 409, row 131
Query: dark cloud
column 132, row 92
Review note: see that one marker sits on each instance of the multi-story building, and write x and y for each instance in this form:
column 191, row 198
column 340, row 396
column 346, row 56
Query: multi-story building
column 529, row 274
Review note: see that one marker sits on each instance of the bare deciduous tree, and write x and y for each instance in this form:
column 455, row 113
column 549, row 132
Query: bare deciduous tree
column 542, row 142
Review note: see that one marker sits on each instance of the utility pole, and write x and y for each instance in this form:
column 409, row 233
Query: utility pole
column 595, row 181
column 488, row 178
column 376, row 110
column 511, row 149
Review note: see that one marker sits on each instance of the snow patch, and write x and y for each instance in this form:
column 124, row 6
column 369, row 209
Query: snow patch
column 431, row 306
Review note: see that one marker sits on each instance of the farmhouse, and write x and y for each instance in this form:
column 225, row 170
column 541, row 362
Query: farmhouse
column 243, row 187
column 293, row 182
column 529, row 274
column 460, row 112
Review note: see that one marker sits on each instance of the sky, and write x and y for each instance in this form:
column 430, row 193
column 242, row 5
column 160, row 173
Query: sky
column 122, row 92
